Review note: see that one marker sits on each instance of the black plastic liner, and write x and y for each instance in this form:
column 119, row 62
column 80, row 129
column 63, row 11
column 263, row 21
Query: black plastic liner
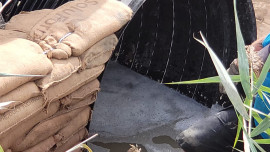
column 159, row 42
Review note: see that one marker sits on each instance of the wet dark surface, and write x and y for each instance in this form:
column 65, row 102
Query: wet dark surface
column 165, row 140
column 118, row 147
column 132, row 108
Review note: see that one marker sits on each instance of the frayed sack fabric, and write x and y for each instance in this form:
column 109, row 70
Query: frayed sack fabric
column 99, row 53
column 78, row 105
column 19, row 95
column 7, row 34
column 19, row 56
column 46, row 129
column 62, row 69
column 83, row 92
column 15, row 134
column 72, row 83
column 13, row 118
column 43, row 146
column 73, row 140
column 77, row 123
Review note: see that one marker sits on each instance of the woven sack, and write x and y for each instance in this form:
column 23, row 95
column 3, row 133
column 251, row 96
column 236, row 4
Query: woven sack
column 15, row 134
column 20, row 56
column 88, row 90
column 45, row 129
column 62, row 69
column 99, row 53
column 73, row 140
column 79, row 122
column 72, row 83
column 19, row 95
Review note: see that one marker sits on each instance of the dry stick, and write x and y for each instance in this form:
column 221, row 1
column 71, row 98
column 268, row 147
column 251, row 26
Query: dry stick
column 81, row 143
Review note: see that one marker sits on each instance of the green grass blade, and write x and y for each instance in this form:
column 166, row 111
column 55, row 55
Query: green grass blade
column 216, row 79
column 1, row 149
column 265, row 124
column 242, row 57
column 257, row 117
column 239, row 127
column 248, row 145
column 19, row 75
column 262, row 76
column 258, row 146
column 265, row 89
column 262, row 141
column 226, row 80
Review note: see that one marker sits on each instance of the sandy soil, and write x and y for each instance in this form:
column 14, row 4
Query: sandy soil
column 262, row 13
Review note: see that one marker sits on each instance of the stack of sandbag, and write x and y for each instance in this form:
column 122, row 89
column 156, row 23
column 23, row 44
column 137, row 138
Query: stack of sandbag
column 66, row 49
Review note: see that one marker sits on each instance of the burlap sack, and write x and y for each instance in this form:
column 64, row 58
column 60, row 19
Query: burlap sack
column 15, row 134
column 13, row 118
column 62, row 69
column 25, row 21
column 77, row 123
column 72, row 83
column 19, row 56
column 87, row 22
column 99, row 53
column 87, row 90
column 7, row 34
column 19, row 95
column 43, row 146
column 73, row 140
column 45, row 129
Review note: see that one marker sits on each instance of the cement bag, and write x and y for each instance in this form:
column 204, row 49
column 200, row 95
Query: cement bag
column 19, row 56
column 43, row 146
column 15, row 135
column 87, row 90
column 73, row 140
column 13, row 118
column 80, row 24
column 45, row 129
column 19, row 95
column 72, row 83
column 77, row 123
column 99, row 53
column 62, row 69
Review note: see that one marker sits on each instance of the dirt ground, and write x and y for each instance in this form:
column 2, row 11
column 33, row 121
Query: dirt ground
column 262, row 13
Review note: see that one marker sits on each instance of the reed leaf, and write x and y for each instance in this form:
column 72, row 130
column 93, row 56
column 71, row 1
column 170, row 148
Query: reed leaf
column 242, row 57
column 262, row 77
column 226, row 80
column 1, row 149
column 262, row 141
column 216, row 79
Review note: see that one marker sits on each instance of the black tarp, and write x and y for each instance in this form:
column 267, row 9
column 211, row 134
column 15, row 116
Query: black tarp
column 159, row 42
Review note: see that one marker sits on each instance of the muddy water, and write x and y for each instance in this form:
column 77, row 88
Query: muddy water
column 165, row 140
column 118, row 147
column 123, row 147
